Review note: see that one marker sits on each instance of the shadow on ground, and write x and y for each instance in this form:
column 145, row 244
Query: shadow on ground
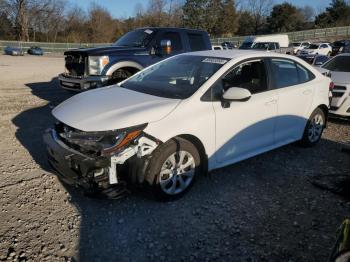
column 262, row 209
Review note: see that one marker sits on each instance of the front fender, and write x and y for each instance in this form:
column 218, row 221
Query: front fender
column 122, row 64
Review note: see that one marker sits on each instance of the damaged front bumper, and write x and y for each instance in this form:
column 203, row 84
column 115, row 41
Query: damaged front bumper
column 94, row 174
column 82, row 83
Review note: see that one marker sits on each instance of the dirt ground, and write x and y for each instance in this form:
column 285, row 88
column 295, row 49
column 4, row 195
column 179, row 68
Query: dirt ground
column 262, row 209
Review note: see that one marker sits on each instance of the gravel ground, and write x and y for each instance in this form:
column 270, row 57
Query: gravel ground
column 262, row 209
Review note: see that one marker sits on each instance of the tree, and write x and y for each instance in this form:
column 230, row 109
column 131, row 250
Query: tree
column 337, row 14
column 245, row 23
column 259, row 10
column 285, row 18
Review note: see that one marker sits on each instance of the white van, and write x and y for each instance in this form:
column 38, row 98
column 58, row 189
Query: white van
column 248, row 43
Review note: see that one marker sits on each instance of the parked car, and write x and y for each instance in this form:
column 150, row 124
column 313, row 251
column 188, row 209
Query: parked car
column 298, row 46
column 282, row 40
column 35, row 50
column 95, row 67
column 228, row 45
column 338, row 46
column 339, row 68
column 315, row 60
column 217, row 47
column 184, row 116
column 15, row 51
column 317, row 49
column 272, row 47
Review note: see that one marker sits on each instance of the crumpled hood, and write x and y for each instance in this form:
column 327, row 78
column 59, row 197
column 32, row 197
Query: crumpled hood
column 112, row 108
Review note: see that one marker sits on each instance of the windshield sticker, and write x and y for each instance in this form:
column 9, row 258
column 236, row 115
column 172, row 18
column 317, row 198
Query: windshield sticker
column 214, row 61
column 148, row 31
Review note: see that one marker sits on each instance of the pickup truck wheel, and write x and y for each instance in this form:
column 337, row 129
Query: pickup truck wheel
column 120, row 75
column 173, row 168
column 314, row 128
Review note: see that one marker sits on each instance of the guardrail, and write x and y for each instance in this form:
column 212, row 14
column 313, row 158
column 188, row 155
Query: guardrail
column 314, row 34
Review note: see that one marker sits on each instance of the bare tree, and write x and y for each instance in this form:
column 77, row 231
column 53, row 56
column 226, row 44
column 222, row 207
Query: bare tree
column 259, row 10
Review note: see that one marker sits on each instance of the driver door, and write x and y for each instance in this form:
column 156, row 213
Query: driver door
column 245, row 128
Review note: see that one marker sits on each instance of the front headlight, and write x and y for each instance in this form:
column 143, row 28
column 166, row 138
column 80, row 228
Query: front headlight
column 103, row 143
column 97, row 63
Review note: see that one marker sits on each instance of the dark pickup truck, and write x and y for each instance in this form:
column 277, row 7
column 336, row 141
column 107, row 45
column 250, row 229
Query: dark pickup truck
column 96, row 67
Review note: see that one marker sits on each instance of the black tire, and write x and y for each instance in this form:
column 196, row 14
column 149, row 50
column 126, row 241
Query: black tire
column 120, row 75
column 160, row 157
column 308, row 140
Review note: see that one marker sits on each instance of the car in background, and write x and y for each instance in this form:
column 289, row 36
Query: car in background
column 15, row 51
column 339, row 69
column 282, row 40
column 298, row 46
column 184, row 116
column 272, row 47
column 315, row 60
column 317, row 49
column 217, row 47
column 35, row 50
column 338, row 46
column 228, row 45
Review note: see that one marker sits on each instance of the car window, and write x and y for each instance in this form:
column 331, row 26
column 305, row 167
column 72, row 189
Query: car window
column 285, row 73
column 196, row 41
column 338, row 64
column 288, row 73
column 175, row 40
column 178, row 77
column 271, row 46
column 313, row 46
column 251, row 75
column 323, row 46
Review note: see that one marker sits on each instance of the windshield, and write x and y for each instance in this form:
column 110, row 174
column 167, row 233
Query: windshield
column 246, row 45
column 137, row 38
column 339, row 44
column 313, row 46
column 338, row 64
column 263, row 46
column 178, row 77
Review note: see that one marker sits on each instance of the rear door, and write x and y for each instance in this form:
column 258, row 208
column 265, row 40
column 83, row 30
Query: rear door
column 295, row 92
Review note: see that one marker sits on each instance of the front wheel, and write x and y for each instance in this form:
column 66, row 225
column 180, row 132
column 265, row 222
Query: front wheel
column 314, row 128
column 172, row 169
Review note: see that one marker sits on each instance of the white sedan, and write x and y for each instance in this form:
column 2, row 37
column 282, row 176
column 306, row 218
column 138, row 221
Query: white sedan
column 184, row 116
column 317, row 49
column 339, row 68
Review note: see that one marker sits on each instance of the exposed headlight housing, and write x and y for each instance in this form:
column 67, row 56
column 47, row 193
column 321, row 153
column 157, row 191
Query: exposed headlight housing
column 97, row 64
column 104, row 143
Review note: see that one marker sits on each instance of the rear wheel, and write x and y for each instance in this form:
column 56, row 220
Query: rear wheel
column 173, row 168
column 314, row 128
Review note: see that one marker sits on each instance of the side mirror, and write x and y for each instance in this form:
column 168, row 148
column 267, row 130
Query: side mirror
column 235, row 94
column 166, row 47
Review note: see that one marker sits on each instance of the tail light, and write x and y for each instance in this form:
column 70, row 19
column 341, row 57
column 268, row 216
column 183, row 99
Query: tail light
column 331, row 86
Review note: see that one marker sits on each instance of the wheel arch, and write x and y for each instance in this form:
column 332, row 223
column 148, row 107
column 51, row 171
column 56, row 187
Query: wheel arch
column 200, row 147
column 324, row 108
column 130, row 65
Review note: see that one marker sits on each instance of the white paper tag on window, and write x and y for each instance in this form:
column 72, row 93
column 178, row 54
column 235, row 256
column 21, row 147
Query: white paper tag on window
column 148, row 31
column 214, row 61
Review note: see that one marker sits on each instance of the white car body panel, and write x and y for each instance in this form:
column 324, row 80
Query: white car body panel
column 319, row 51
column 283, row 40
column 112, row 108
column 228, row 135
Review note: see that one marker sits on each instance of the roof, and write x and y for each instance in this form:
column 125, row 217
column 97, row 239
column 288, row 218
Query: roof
column 236, row 53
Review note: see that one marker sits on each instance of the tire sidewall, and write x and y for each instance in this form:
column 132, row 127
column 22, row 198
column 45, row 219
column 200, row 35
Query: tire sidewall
column 158, row 159
column 305, row 140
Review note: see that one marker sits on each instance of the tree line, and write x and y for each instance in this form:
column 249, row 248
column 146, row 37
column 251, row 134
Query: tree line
column 59, row 21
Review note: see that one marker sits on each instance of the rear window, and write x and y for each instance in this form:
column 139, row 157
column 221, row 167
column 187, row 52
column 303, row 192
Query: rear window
column 197, row 42
column 338, row 64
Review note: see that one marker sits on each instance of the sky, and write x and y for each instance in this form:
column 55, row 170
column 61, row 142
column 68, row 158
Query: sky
column 126, row 8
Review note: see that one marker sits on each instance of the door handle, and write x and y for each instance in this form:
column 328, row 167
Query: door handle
column 271, row 102
column 307, row 92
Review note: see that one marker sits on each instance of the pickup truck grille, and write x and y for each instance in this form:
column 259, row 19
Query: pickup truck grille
column 76, row 64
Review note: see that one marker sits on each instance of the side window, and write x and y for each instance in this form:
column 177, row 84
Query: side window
column 250, row 75
column 196, row 42
column 272, row 46
column 288, row 73
column 323, row 46
column 175, row 40
column 285, row 73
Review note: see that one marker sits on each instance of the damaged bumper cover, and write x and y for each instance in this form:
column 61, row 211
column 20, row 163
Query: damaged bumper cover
column 95, row 174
